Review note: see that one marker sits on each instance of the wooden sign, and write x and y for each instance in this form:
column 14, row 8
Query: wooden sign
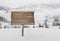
column 22, row 17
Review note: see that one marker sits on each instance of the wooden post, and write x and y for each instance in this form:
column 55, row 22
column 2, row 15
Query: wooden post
column 22, row 30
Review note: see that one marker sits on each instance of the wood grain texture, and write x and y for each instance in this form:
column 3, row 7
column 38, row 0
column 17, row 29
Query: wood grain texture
column 18, row 18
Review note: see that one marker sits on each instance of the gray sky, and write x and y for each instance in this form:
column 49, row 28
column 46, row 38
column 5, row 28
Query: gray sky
column 17, row 3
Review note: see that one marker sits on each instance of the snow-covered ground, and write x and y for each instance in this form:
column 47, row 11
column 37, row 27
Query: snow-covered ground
column 31, row 34
column 40, row 11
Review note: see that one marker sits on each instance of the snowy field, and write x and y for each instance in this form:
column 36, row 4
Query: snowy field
column 31, row 34
column 40, row 11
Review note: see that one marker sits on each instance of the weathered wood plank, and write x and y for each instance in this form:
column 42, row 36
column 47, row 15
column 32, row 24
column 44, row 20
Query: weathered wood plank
column 22, row 18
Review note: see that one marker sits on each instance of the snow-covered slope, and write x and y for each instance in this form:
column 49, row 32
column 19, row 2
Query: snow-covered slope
column 41, row 9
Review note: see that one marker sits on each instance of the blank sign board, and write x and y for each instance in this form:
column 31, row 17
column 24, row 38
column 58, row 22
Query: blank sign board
column 22, row 18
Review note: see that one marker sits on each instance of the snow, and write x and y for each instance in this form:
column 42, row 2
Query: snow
column 30, row 34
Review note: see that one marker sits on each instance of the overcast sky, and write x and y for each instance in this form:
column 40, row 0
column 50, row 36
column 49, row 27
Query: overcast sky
column 17, row 3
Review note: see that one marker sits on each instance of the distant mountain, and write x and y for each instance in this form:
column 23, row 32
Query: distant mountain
column 3, row 8
column 2, row 19
column 34, row 6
